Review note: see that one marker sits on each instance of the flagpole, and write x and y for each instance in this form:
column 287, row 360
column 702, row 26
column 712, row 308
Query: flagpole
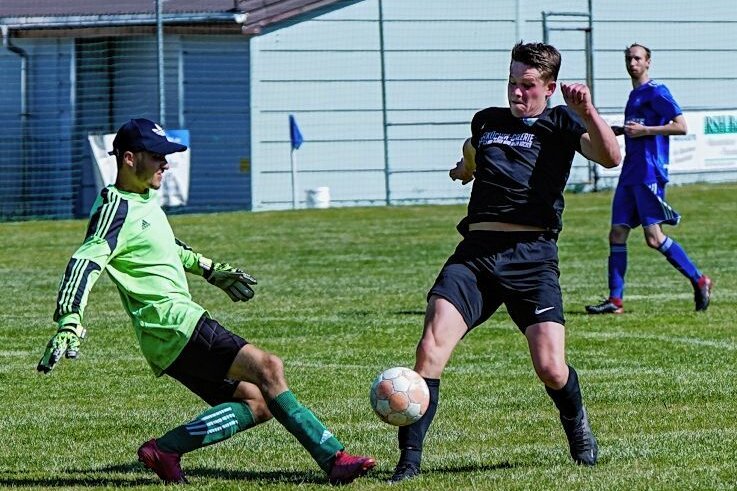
column 296, row 139
column 293, row 160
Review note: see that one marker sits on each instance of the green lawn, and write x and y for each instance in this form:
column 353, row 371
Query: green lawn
column 341, row 296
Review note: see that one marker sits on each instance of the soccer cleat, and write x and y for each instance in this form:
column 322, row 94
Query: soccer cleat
column 404, row 471
column 164, row 464
column 581, row 441
column 702, row 293
column 608, row 306
column 346, row 467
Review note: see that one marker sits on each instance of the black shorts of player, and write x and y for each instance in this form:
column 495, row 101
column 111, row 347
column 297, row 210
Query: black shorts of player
column 518, row 269
column 204, row 362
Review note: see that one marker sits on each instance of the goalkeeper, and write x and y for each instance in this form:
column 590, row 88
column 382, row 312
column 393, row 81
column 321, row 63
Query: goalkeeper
column 129, row 236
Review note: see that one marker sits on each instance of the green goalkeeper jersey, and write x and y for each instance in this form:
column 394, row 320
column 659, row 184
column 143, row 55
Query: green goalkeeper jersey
column 129, row 236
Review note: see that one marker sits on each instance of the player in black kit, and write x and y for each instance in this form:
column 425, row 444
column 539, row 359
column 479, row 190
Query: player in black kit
column 519, row 158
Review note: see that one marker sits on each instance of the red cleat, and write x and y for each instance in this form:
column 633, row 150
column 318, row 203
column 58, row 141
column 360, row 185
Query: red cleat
column 164, row 464
column 702, row 293
column 346, row 467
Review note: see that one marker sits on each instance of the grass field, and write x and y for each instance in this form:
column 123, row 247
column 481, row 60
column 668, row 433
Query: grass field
column 341, row 297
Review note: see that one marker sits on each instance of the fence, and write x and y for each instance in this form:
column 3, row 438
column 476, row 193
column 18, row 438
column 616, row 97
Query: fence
column 61, row 87
column 383, row 91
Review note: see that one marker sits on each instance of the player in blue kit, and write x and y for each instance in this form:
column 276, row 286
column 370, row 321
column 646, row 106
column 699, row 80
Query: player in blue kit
column 651, row 116
column 519, row 158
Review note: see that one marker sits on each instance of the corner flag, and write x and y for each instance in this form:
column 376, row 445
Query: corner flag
column 294, row 134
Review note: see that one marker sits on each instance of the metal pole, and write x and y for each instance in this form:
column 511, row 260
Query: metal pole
column 545, row 27
column 545, row 40
column 293, row 161
column 160, row 60
column 387, row 172
column 593, row 169
column 24, row 132
column 180, row 86
column 590, row 53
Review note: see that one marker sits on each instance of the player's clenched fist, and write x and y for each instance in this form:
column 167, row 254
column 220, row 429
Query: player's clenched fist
column 465, row 167
column 577, row 96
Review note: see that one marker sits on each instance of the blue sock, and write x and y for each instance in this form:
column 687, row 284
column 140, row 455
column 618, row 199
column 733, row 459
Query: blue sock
column 617, row 269
column 675, row 255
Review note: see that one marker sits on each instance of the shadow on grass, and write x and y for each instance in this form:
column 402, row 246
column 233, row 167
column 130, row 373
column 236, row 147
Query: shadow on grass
column 453, row 469
column 410, row 312
column 574, row 312
column 106, row 476
column 458, row 469
column 284, row 477
column 581, row 312
column 140, row 476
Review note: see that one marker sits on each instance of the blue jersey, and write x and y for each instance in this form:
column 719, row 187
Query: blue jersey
column 646, row 158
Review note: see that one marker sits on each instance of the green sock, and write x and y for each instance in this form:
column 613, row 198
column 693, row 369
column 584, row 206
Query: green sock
column 303, row 424
column 214, row 425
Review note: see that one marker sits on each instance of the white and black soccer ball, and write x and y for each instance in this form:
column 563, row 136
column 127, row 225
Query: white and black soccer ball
column 399, row 396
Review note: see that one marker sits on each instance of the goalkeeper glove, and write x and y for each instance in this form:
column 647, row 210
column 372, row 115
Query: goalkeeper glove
column 233, row 281
column 65, row 342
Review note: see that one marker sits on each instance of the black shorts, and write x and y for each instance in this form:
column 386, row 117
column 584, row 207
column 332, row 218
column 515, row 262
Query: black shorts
column 204, row 362
column 518, row 269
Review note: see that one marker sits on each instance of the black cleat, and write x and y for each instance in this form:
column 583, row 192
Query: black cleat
column 702, row 293
column 404, row 471
column 608, row 306
column 581, row 441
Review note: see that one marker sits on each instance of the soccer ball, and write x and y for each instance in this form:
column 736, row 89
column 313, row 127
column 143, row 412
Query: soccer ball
column 399, row 396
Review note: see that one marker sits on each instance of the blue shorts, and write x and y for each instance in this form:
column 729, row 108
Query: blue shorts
column 205, row 360
column 642, row 204
column 518, row 269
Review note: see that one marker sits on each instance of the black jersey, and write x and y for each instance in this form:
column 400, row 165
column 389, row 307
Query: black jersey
column 522, row 165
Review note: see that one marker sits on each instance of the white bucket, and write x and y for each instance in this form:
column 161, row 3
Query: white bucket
column 318, row 197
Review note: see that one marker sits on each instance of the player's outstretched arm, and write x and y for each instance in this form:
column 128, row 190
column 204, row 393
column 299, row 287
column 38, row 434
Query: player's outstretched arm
column 65, row 343
column 599, row 142
column 80, row 275
column 232, row 280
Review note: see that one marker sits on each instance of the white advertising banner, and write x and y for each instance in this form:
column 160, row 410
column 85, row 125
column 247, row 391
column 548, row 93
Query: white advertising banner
column 710, row 145
column 175, row 184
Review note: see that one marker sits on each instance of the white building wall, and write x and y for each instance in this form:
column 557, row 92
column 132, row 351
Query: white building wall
column 442, row 62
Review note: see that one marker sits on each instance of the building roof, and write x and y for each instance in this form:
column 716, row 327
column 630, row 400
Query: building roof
column 36, row 14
